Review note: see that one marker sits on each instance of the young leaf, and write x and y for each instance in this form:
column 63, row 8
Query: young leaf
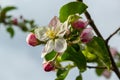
column 71, row 8
column 23, row 27
column 99, row 71
column 79, row 77
column 50, row 55
column 98, row 47
column 4, row 12
column 76, row 56
column 10, row 30
column 8, row 8
column 62, row 73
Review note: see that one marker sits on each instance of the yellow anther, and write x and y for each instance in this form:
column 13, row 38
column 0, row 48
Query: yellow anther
column 50, row 34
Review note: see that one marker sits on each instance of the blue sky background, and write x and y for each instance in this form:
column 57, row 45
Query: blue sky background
column 18, row 61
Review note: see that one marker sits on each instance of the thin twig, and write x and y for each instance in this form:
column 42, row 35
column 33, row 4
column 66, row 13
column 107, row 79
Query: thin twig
column 98, row 67
column 107, row 40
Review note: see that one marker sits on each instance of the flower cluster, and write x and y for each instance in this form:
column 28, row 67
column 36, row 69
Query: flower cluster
column 57, row 36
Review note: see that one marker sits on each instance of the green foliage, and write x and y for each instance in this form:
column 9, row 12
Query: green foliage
column 3, row 13
column 98, row 47
column 50, row 55
column 71, row 8
column 23, row 27
column 99, row 71
column 8, row 20
column 118, row 64
column 62, row 73
column 79, row 77
column 10, row 30
column 89, row 56
column 76, row 56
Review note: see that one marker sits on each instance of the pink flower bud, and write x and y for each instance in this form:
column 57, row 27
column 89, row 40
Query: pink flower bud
column 113, row 51
column 48, row 66
column 79, row 24
column 106, row 73
column 32, row 40
column 86, row 35
column 15, row 21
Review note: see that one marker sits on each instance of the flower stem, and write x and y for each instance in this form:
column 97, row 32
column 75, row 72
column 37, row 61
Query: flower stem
column 57, row 54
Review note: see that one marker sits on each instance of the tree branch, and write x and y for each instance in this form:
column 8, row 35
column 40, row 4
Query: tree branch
column 92, row 24
column 107, row 40
column 115, row 68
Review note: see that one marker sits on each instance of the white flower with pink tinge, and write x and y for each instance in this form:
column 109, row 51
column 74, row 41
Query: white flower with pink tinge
column 53, row 35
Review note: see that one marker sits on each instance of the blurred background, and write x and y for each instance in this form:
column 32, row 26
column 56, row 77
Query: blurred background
column 19, row 61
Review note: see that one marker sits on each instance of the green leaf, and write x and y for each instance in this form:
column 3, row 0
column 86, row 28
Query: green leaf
column 8, row 8
column 50, row 55
column 23, row 27
column 62, row 73
column 118, row 64
column 10, row 30
column 89, row 56
column 4, row 12
column 71, row 8
column 79, row 77
column 99, row 71
column 76, row 56
column 98, row 47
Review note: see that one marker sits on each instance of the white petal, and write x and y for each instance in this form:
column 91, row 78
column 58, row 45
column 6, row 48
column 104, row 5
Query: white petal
column 60, row 45
column 40, row 33
column 54, row 22
column 63, row 29
column 48, row 48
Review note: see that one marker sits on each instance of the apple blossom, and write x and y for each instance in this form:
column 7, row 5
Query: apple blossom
column 32, row 40
column 53, row 35
column 86, row 35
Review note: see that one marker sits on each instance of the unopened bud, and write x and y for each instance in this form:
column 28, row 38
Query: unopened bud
column 106, row 73
column 48, row 66
column 113, row 51
column 15, row 21
column 79, row 24
column 32, row 40
column 86, row 35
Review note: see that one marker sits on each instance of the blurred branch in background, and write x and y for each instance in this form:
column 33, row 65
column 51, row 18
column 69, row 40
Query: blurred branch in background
column 9, row 21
